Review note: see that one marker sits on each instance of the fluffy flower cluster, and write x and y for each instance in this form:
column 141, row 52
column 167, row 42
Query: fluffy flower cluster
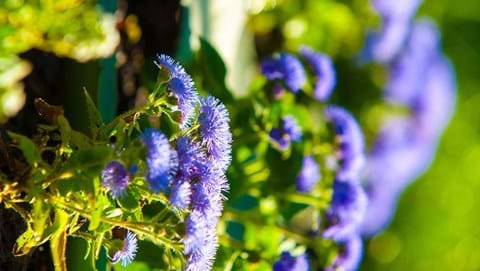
column 128, row 251
column 190, row 170
column 422, row 80
column 287, row 70
column 347, row 210
column 193, row 173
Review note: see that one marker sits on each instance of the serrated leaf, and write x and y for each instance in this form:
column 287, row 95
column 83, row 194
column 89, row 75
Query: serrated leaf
column 28, row 148
column 95, row 121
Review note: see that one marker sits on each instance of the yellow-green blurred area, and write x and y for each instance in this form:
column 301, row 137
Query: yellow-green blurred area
column 436, row 224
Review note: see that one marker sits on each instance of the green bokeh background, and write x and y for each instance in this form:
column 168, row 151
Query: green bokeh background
column 436, row 225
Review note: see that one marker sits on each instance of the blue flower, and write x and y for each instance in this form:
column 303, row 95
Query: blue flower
column 349, row 141
column 115, row 178
column 182, row 87
column 192, row 160
column 347, row 210
column 324, row 72
column 215, row 131
column 287, row 132
column 383, row 46
column 181, row 193
column 309, row 175
column 162, row 161
column 285, row 67
column 128, row 251
column 200, row 242
column 407, row 73
column 289, row 263
column 349, row 256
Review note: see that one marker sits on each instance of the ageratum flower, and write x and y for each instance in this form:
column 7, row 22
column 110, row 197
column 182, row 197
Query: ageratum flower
column 162, row 161
column 215, row 131
column 407, row 73
column 181, row 86
column 347, row 210
column 383, row 46
column 201, row 242
column 287, row 68
column 115, row 178
column 309, row 175
column 192, row 160
column 289, row 263
column 324, row 72
column 287, row 132
column 349, row 256
column 181, row 193
column 127, row 253
column 349, row 141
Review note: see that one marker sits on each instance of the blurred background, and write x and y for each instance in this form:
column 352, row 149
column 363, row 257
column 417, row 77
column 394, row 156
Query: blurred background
column 435, row 227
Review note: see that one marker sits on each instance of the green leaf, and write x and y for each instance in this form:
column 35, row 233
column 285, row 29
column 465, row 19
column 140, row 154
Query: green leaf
column 28, row 148
column 95, row 121
column 214, row 71
column 25, row 242
column 130, row 201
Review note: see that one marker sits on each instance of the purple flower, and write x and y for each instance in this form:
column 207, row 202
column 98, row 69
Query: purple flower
column 324, row 72
column 162, row 161
column 309, row 175
column 215, row 131
column 383, row 46
column 115, row 178
column 347, row 210
column 192, row 160
column 181, row 86
column 349, row 255
column 287, row 132
column 407, row 72
column 128, row 251
column 181, row 193
column 349, row 141
column 285, row 67
column 289, row 263
column 201, row 242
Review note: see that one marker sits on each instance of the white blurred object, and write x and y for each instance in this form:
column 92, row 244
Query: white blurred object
column 222, row 23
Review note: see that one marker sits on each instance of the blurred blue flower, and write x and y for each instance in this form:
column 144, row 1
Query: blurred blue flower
column 350, row 143
column 309, row 175
column 115, row 178
column 324, row 72
column 162, row 161
column 407, row 73
column 181, row 86
column 215, row 131
column 289, row 263
column 128, row 251
column 287, row 132
column 285, row 67
column 347, row 210
column 349, row 256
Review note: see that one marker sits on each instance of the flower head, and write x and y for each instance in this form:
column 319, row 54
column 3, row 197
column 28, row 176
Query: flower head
column 309, row 175
column 115, row 178
column 349, row 141
column 285, row 67
column 287, row 132
column 289, row 263
column 128, row 251
column 347, row 210
column 349, row 256
column 181, row 193
column 162, row 161
column 324, row 72
column 181, row 86
column 215, row 131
